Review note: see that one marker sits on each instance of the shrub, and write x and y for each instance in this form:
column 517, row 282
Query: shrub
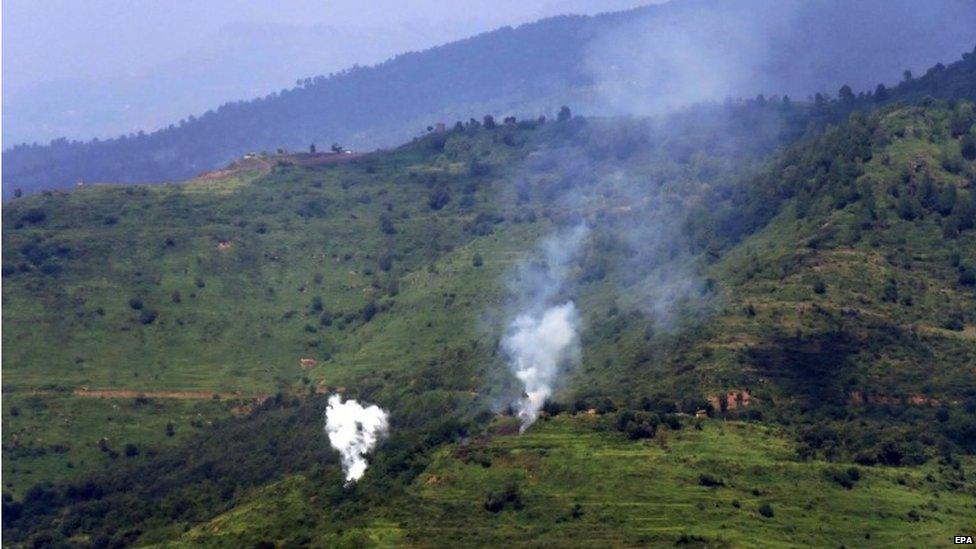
column 890, row 292
column 968, row 277
column 386, row 225
column 968, row 148
column 846, row 478
column 551, row 407
column 511, row 496
column 954, row 322
column 51, row 268
column 820, row 287
column 709, row 481
column 439, row 198
column 369, row 311
column 766, row 510
column 131, row 450
column 148, row 316
column 477, row 260
column 577, row 511
column 135, row 303
column 34, row 215
column 637, row 424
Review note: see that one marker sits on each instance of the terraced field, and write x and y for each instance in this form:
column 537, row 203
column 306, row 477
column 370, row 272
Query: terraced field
column 581, row 484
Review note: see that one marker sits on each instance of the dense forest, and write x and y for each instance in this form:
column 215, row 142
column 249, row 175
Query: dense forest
column 531, row 69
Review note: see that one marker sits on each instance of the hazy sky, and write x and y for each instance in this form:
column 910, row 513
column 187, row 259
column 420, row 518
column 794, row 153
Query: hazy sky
column 101, row 67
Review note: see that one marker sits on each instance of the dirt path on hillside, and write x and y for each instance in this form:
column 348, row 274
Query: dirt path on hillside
column 179, row 395
column 136, row 393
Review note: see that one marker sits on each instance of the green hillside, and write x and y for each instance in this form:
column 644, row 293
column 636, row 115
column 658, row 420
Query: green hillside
column 807, row 289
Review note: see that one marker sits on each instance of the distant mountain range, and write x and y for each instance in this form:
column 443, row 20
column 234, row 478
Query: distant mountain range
column 642, row 61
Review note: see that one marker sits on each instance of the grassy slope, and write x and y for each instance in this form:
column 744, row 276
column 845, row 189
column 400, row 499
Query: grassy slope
column 245, row 327
column 648, row 493
column 247, row 314
column 632, row 494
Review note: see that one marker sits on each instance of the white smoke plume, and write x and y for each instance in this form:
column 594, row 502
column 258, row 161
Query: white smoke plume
column 542, row 340
column 538, row 347
column 353, row 431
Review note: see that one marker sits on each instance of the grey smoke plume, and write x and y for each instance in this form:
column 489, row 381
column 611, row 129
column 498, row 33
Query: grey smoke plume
column 353, row 431
column 542, row 340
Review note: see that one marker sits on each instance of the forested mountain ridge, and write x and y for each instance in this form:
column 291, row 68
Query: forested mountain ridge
column 812, row 382
column 527, row 70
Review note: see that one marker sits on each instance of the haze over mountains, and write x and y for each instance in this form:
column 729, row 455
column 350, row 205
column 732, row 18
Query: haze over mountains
column 637, row 61
column 739, row 320
column 105, row 67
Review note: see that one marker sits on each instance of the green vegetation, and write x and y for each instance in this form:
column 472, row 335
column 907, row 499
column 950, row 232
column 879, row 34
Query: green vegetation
column 573, row 478
column 827, row 351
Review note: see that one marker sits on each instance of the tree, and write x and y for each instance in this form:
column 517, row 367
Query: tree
column 968, row 277
column 311, row 148
column 439, row 198
column 369, row 311
column 18, row 193
column 890, row 292
column 907, row 75
column 881, row 93
column 34, row 215
column 845, row 94
column 564, row 114
column 962, row 119
column 386, row 225
column 907, row 207
column 489, row 122
column 946, row 200
column 968, row 148
column 337, row 148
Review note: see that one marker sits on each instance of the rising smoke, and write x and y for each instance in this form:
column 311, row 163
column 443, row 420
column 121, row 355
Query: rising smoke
column 542, row 341
column 353, row 431
column 539, row 346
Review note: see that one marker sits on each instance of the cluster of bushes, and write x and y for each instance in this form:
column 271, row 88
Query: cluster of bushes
column 847, row 478
column 821, row 174
column 495, row 502
column 881, row 437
